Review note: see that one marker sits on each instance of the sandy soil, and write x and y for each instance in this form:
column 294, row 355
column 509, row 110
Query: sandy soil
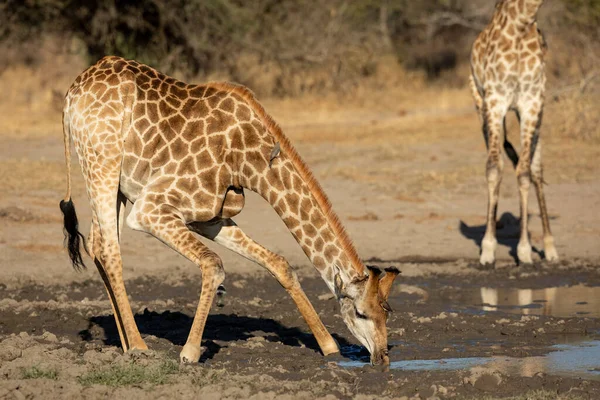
column 405, row 174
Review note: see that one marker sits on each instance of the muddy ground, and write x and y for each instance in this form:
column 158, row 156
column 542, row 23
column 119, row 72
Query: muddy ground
column 257, row 344
column 405, row 174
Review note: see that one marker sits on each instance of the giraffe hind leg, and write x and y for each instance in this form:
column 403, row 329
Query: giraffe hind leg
column 530, row 122
column 109, row 262
column 102, row 183
column 492, row 130
column 94, row 246
column 550, row 252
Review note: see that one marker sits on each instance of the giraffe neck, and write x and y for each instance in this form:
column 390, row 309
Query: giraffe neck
column 291, row 189
column 523, row 12
column 313, row 224
column 306, row 212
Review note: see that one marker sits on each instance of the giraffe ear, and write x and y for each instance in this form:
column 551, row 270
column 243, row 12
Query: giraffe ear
column 385, row 283
column 373, row 282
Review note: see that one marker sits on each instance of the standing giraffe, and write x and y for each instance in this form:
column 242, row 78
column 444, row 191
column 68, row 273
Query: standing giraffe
column 182, row 154
column 507, row 65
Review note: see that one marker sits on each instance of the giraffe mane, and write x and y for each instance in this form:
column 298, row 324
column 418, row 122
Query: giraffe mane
column 303, row 169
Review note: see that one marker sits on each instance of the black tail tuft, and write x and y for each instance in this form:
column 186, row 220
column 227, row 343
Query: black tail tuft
column 73, row 237
column 511, row 153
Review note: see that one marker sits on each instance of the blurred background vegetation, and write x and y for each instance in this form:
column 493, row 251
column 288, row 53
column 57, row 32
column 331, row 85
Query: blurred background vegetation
column 328, row 45
column 285, row 48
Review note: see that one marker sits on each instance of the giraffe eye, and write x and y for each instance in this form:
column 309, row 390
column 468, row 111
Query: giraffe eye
column 359, row 314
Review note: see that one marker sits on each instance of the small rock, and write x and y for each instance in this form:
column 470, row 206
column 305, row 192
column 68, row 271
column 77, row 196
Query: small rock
column 257, row 339
column 255, row 301
column 151, row 339
column 62, row 298
column 9, row 353
column 18, row 395
column 488, row 382
column 239, row 284
column 527, row 318
column 49, row 337
column 326, row 296
column 423, row 320
column 8, row 303
column 428, row 393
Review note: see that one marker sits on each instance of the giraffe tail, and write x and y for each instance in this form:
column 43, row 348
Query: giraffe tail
column 73, row 238
column 511, row 152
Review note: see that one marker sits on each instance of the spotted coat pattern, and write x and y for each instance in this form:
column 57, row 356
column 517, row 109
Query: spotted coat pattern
column 507, row 64
column 183, row 155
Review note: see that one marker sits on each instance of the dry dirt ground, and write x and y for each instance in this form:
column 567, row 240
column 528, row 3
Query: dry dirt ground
column 405, row 173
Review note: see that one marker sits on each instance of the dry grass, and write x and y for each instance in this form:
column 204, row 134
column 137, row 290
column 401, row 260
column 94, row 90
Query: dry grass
column 578, row 116
column 394, row 127
column 24, row 175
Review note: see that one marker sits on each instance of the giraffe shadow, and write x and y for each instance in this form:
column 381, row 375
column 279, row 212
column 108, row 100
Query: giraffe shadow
column 175, row 327
column 508, row 231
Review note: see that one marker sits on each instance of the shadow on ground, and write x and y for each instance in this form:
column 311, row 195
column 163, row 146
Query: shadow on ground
column 175, row 327
column 507, row 234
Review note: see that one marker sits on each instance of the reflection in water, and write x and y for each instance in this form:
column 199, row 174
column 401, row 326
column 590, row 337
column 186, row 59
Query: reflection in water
column 564, row 301
column 570, row 360
column 575, row 360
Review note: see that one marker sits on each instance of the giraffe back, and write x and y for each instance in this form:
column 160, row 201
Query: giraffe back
column 176, row 138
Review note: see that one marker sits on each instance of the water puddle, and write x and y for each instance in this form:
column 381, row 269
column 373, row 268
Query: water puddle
column 574, row 360
column 562, row 301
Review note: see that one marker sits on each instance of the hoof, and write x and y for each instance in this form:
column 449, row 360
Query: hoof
column 524, row 254
column 551, row 255
column 190, row 354
column 488, row 252
column 486, row 266
column 487, row 260
column 140, row 345
column 334, row 357
column 549, row 250
column 330, row 348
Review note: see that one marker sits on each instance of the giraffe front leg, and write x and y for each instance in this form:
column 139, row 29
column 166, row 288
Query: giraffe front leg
column 530, row 123
column 229, row 235
column 165, row 223
column 213, row 275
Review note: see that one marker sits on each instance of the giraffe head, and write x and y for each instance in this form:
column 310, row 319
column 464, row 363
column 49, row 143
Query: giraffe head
column 364, row 309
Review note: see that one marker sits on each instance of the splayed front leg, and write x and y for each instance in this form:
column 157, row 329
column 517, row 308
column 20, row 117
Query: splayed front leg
column 229, row 235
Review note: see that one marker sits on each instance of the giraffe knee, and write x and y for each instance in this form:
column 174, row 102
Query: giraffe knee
column 283, row 272
column 212, row 268
column 493, row 171
column 524, row 175
column 537, row 174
